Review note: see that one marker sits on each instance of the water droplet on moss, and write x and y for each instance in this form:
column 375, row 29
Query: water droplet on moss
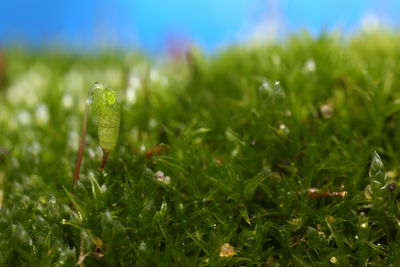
column 142, row 246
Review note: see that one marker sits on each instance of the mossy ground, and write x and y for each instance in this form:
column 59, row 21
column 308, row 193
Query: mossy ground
column 240, row 154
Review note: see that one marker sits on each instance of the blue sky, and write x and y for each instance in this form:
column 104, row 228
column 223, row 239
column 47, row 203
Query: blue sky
column 150, row 24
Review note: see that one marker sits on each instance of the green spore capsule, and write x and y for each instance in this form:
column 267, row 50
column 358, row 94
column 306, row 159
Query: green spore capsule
column 105, row 104
column 107, row 109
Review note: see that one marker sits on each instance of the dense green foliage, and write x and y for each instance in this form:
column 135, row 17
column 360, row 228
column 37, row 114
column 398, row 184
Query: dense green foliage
column 211, row 151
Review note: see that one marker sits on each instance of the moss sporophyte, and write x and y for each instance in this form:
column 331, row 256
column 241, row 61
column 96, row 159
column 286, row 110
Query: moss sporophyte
column 107, row 109
column 215, row 167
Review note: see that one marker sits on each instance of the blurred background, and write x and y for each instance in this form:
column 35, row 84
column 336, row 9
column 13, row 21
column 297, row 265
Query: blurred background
column 159, row 25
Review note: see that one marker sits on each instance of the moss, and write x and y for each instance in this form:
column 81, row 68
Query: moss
column 212, row 152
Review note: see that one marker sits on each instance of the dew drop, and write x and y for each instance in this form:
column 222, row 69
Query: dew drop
column 24, row 117
column 42, row 114
column 142, row 246
column 278, row 90
column 52, row 200
column 265, row 86
column 142, row 148
column 181, row 207
column 326, row 110
column 283, row 130
column 310, row 65
column 68, row 101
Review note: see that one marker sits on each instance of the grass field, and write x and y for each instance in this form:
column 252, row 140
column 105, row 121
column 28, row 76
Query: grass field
column 284, row 154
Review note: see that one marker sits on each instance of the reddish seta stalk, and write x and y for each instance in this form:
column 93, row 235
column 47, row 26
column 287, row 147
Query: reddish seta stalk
column 104, row 160
column 81, row 147
column 314, row 193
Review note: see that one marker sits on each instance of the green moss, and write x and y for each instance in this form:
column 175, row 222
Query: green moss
column 211, row 151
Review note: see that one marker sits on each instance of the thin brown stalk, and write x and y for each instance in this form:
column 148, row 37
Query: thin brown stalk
column 81, row 146
column 104, row 160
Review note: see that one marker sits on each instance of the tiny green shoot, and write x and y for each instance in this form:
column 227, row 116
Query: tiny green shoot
column 107, row 110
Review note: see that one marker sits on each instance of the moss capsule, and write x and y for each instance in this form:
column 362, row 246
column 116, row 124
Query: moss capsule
column 107, row 109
